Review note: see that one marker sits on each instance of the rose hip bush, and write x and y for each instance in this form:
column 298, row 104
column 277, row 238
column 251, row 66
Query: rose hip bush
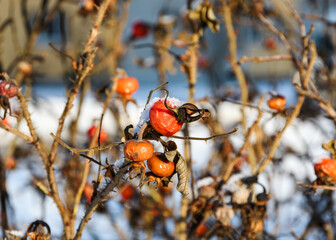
column 247, row 152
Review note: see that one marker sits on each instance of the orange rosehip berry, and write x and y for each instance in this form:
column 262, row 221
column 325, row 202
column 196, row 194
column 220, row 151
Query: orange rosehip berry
column 277, row 102
column 138, row 150
column 326, row 168
column 160, row 166
column 127, row 85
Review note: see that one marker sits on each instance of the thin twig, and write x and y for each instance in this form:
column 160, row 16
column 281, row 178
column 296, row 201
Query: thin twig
column 153, row 90
column 261, row 59
column 17, row 132
column 246, row 142
column 206, row 138
column 233, row 54
column 101, row 196
column 93, row 141
column 325, row 187
column 90, row 52
column 79, row 150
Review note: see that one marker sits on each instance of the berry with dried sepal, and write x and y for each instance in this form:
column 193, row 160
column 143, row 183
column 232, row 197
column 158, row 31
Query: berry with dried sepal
column 325, row 170
column 138, row 150
column 160, row 166
column 164, row 120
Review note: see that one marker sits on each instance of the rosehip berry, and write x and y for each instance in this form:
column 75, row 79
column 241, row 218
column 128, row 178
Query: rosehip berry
column 8, row 89
column 160, row 166
column 126, row 86
column 164, row 120
column 127, row 192
column 88, row 192
column 277, row 102
column 326, row 169
column 138, row 150
column 271, row 43
column 139, row 30
column 93, row 129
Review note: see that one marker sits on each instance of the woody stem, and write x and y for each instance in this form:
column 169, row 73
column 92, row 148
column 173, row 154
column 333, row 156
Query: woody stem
column 142, row 130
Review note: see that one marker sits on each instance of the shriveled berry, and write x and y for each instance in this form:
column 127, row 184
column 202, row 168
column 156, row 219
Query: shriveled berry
column 8, row 89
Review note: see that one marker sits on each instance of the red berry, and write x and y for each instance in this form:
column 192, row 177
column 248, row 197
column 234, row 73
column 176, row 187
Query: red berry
column 201, row 230
column 271, row 43
column 93, row 129
column 164, row 120
column 139, row 30
column 127, row 192
column 8, row 89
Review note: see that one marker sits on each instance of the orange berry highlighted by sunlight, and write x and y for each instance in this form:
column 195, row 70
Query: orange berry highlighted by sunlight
column 127, row 86
column 138, row 150
column 326, row 168
column 160, row 166
column 277, row 102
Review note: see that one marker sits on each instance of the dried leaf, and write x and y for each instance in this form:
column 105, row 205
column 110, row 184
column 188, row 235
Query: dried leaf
column 183, row 176
column 170, row 155
column 330, row 147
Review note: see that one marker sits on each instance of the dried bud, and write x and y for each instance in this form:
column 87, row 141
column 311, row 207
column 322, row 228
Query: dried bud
column 207, row 192
column 224, row 215
column 240, row 196
column 25, row 68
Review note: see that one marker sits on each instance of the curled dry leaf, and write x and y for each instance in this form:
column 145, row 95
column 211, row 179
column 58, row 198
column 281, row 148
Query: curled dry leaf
column 224, row 215
column 183, row 176
column 240, row 196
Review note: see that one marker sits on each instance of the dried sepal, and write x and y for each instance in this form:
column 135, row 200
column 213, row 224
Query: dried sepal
column 330, row 147
column 38, row 230
column 183, row 176
column 188, row 112
column 204, row 16
column 128, row 135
